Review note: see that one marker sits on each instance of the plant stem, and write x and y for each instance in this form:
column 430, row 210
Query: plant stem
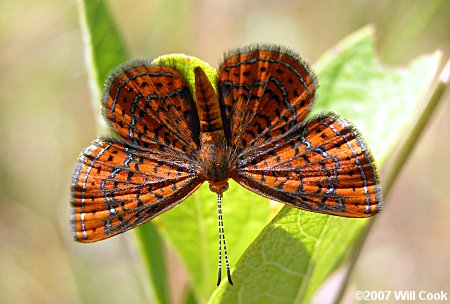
column 418, row 128
column 151, row 249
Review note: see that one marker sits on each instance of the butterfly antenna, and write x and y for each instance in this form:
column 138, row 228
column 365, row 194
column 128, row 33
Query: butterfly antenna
column 222, row 237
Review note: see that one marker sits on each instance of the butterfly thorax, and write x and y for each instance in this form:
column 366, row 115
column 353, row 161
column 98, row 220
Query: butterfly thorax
column 215, row 160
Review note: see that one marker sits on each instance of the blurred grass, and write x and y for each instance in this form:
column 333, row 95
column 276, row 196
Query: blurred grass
column 46, row 118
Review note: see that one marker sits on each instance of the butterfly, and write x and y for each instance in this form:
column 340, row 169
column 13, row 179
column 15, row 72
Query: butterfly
column 169, row 138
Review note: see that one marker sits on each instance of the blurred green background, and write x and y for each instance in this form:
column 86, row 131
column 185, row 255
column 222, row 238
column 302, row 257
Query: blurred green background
column 46, row 118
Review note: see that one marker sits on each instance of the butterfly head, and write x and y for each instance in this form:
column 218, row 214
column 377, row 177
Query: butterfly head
column 219, row 187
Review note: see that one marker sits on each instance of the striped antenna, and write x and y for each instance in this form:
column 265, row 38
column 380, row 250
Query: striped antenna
column 222, row 237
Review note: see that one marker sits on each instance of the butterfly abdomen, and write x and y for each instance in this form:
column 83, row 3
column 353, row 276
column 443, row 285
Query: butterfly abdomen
column 211, row 127
column 214, row 157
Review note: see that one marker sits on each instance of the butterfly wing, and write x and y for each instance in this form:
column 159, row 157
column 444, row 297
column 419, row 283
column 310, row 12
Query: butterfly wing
column 322, row 165
column 149, row 166
column 151, row 106
column 264, row 91
column 116, row 187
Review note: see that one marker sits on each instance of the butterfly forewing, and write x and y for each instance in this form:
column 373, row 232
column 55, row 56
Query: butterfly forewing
column 116, row 187
column 322, row 166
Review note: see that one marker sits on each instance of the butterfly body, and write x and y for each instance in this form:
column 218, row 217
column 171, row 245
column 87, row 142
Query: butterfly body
column 169, row 139
column 215, row 157
column 215, row 162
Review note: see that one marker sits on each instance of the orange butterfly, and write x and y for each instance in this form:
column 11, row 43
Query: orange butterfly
column 170, row 140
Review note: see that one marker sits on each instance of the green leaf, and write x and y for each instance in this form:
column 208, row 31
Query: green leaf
column 185, row 65
column 298, row 250
column 378, row 100
column 104, row 50
column 289, row 259
column 191, row 229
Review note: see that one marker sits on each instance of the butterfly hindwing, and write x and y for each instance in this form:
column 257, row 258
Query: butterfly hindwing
column 152, row 106
column 264, row 91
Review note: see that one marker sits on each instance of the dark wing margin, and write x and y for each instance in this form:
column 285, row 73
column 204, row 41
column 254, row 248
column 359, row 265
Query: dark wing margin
column 116, row 187
column 264, row 90
column 322, row 166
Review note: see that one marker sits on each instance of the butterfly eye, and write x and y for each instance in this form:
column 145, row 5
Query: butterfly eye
column 226, row 187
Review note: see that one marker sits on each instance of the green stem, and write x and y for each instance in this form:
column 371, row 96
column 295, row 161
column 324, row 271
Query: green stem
column 417, row 130
column 152, row 252
column 399, row 162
